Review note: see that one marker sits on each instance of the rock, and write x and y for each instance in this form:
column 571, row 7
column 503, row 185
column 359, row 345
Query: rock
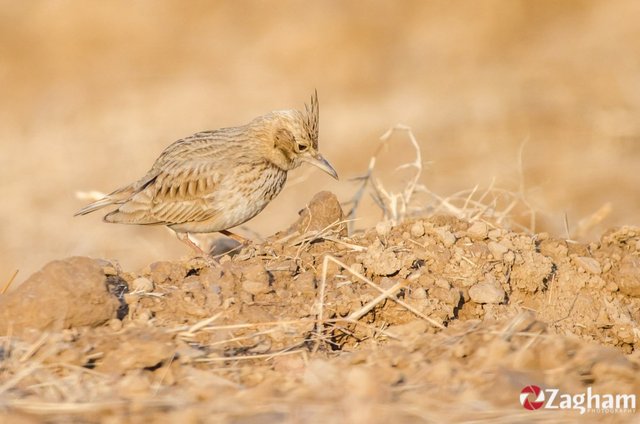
column 418, row 293
column 495, row 234
column 497, row 250
column 380, row 261
column 65, row 293
column 417, row 229
column 509, row 257
column 478, row 231
column 446, row 237
column 409, row 330
column 255, row 272
column 115, row 324
column 142, row 284
column 306, row 282
column 590, row 265
column 386, row 283
column 383, row 228
column 135, row 349
column 627, row 276
column 449, row 297
column 109, row 270
column 554, row 248
column 164, row 270
column 255, row 287
column 486, row 292
column 192, row 284
column 323, row 211
column 255, row 279
column 443, row 283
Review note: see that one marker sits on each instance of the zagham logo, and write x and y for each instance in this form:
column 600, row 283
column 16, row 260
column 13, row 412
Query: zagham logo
column 533, row 397
column 532, row 392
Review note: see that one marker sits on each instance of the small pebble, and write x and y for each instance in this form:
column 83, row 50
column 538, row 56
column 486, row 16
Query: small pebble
column 417, row 229
column 383, row 228
column 495, row 234
column 497, row 250
column 192, row 284
column 414, row 276
column 109, row 270
column 387, row 283
column 441, row 282
column 478, row 231
column 418, row 293
column 590, row 265
column 115, row 324
column 485, row 292
column 142, row 284
column 131, row 299
column 357, row 267
column 306, row 282
column 542, row 236
column 446, row 237
column 256, row 287
column 144, row 315
column 509, row 257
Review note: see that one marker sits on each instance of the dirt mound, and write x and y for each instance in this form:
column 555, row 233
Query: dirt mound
column 433, row 319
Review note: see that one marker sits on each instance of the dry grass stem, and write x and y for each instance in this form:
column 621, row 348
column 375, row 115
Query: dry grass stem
column 251, row 357
column 200, row 325
column 500, row 206
column 8, row 283
column 364, row 279
column 21, row 374
column 393, row 205
column 356, row 315
column 42, row 408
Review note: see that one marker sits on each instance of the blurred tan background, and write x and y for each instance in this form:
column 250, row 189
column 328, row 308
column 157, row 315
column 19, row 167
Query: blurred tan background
column 92, row 91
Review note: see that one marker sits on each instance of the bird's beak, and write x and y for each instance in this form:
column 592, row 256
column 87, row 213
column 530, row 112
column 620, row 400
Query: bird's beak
column 322, row 163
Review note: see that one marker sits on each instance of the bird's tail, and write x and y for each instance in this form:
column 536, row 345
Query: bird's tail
column 115, row 198
column 98, row 204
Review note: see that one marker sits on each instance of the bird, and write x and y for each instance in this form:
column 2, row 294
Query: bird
column 215, row 180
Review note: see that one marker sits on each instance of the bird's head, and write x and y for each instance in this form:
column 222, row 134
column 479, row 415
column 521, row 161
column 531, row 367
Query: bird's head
column 293, row 138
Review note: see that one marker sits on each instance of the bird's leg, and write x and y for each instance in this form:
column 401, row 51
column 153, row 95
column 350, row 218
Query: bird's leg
column 199, row 253
column 246, row 249
column 184, row 237
column 235, row 237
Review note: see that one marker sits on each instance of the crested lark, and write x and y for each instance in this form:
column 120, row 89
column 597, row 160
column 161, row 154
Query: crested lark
column 216, row 180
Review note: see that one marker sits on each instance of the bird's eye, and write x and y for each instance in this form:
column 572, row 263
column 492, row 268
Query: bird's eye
column 302, row 147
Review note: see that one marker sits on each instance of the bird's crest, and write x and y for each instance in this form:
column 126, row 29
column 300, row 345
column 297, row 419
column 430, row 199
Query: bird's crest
column 311, row 119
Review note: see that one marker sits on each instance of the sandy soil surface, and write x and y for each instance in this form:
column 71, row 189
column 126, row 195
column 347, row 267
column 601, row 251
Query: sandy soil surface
column 436, row 319
column 92, row 93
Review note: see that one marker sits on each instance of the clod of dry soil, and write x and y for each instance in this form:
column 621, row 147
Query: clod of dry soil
column 434, row 319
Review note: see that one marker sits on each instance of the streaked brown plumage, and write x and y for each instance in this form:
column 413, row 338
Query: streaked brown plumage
column 216, row 180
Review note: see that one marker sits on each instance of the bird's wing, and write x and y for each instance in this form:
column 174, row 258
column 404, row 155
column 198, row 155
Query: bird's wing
column 181, row 191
